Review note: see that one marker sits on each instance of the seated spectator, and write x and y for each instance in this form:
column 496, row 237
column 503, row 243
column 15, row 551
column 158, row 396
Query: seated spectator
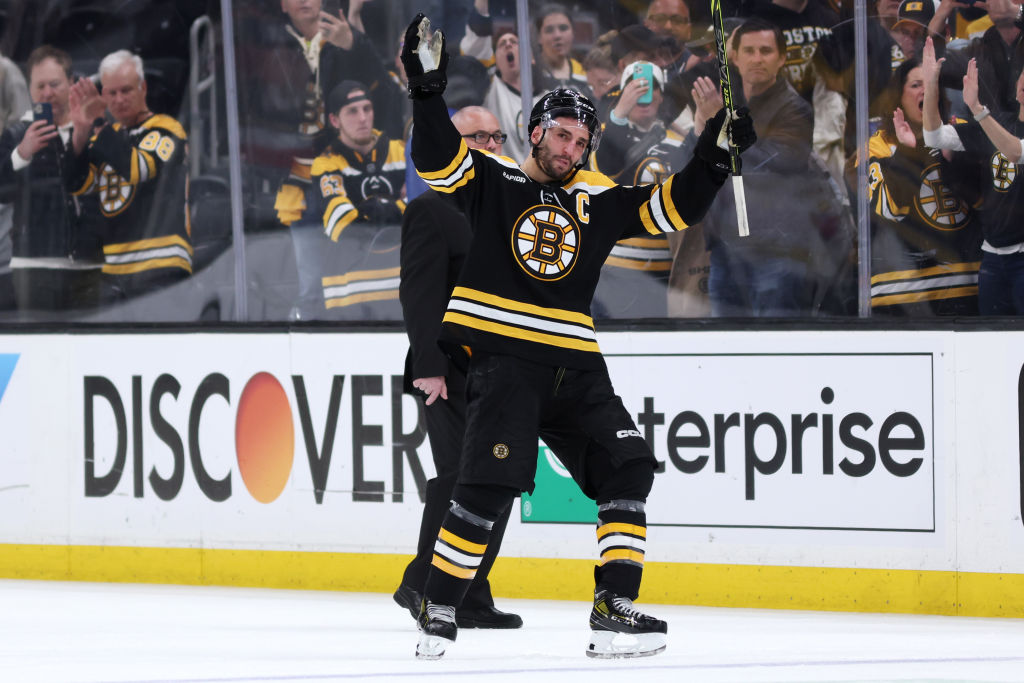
column 14, row 100
column 555, row 40
column 636, row 149
column 287, row 66
column 347, row 246
column 137, row 164
column 48, row 231
column 925, row 241
column 994, row 138
column 787, row 265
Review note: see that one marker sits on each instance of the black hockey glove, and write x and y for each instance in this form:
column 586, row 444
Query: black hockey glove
column 424, row 58
column 712, row 145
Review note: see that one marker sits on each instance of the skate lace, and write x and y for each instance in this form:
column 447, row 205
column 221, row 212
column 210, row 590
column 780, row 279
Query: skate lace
column 441, row 612
column 625, row 607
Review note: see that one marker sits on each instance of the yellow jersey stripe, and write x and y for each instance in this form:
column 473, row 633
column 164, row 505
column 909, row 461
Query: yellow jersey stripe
column 361, row 275
column 152, row 264
column 926, row 272
column 152, row 243
column 353, row 299
column 933, row 295
column 652, row 266
column 448, row 170
column 518, row 306
column 519, row 333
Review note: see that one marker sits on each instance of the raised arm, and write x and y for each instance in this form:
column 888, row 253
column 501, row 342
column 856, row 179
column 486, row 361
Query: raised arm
column 1008, row 144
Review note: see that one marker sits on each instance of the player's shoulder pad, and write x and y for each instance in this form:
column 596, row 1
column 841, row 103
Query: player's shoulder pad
column 168, row 123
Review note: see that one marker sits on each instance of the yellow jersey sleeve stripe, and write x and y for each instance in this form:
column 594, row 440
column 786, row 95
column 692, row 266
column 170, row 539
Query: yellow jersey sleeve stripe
column 670, row 207
column 450, row 169
column 469, row 175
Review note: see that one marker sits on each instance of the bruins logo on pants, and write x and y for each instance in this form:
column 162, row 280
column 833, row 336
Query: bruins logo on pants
column 545, row 241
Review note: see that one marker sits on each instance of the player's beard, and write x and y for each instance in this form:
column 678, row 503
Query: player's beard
column 546, row 162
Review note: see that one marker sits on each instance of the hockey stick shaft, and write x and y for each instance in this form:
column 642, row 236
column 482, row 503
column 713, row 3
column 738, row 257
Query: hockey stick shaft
column 727, row 100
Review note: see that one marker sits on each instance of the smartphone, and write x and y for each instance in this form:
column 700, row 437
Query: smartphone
column 332, row 7
column 643, row 70
column 42, row 111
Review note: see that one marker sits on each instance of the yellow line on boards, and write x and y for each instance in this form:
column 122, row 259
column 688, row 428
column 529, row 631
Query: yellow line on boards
column 974, row 594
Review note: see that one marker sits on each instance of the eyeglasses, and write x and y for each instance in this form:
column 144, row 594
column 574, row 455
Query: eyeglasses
column 482, row 138
column 677, row 19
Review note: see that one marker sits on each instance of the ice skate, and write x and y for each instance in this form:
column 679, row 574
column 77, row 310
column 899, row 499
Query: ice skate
column 437, row 630
column 617, row 629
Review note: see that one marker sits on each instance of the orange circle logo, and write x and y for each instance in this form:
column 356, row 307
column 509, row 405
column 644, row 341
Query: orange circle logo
column 264, row 437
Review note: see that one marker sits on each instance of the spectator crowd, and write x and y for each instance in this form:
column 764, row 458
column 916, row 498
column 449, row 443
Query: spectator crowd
column 96, row 174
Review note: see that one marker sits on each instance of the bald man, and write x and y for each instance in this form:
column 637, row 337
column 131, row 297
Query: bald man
column 435, row 239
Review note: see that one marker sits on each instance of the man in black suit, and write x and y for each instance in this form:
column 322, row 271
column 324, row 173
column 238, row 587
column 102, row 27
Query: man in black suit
column 435, row 239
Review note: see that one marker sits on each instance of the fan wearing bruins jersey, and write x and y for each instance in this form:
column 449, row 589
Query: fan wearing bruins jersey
column 994, row 138
column 357, row 200
column 137, row 167
column 521, row 306
column 636, row 149
column 925, row 241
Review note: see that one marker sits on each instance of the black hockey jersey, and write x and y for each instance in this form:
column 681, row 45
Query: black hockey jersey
column 141, row 178
column 925, row 240
column 1002, row 208
column 537, row 249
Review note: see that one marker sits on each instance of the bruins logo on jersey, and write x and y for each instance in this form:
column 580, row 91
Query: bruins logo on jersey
column 939, row 207
column 545, row 241
column 114, row 191
column 651, row 170
column 1004, row 172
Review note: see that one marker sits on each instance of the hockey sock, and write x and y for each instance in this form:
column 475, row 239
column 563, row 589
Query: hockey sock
column 458, row 552
column 621, row 542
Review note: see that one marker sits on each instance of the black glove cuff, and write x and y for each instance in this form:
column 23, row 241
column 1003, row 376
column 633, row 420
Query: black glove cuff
column 424, row 85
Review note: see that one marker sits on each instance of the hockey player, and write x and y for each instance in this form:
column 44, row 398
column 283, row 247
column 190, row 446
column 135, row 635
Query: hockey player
column 541, row 232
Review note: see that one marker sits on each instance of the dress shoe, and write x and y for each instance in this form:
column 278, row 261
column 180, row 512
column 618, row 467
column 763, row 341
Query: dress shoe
column 410, row 599
column 485, row 617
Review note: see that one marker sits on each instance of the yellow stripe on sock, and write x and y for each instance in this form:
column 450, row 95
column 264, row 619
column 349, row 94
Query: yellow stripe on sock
column 461, row 543
column 449, row 568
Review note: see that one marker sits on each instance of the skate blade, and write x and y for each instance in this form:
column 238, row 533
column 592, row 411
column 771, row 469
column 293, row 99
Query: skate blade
column 431, row 647
column 614, row 645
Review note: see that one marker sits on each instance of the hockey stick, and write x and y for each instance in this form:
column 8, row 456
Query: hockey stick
column 730, row 109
